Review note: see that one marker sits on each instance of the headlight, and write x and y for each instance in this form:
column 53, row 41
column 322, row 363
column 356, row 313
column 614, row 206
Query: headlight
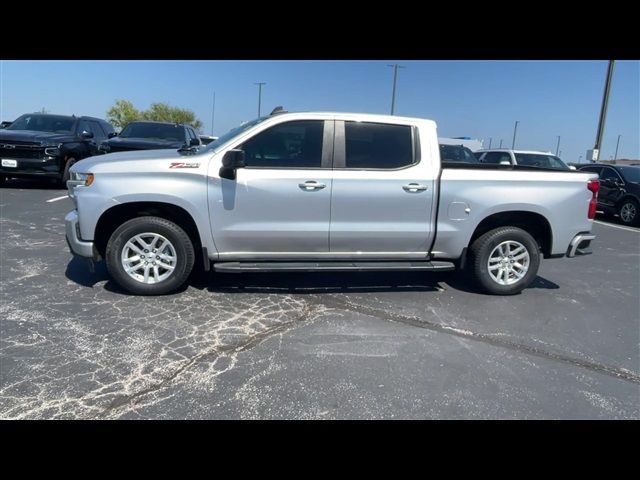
column 52, row 150
column 85, row 179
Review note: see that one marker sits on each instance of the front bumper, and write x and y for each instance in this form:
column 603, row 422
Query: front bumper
column 28, row 167
column 580, row 245
column 76, row 245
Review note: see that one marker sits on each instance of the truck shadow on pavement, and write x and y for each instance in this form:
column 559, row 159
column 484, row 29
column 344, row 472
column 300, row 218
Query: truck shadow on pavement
column 301, row 283
column 31, row 184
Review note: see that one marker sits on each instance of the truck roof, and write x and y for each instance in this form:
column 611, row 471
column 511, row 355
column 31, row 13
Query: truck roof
column 538, row 152
column 371, row 117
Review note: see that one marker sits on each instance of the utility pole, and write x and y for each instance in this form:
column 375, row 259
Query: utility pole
column 560, row 155
column 395, row 78
column 260, row 84
column 500, row 143
column 558, row 146
column 617, row 145
column 213, row 112
column 603, row 109
column 490, row 142
column 580, row 159
column 515, row 129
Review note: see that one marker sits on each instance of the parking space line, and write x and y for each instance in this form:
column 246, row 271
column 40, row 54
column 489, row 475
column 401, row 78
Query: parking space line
column 617, row 226
column 57, row 198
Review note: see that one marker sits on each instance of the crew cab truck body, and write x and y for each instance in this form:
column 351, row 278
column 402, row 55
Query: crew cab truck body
column 323, row 191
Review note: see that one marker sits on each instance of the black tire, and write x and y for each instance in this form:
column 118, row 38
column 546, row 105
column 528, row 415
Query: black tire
column 482, row 248
column 66, row 175
column 181, row 242
column 631, row 206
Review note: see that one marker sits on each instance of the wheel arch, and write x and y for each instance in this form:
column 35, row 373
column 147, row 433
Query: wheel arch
column 531, row 222
column 115, row 216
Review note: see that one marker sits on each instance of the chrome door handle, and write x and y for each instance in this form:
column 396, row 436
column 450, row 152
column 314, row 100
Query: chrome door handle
column 414, row 187
column 311, row 185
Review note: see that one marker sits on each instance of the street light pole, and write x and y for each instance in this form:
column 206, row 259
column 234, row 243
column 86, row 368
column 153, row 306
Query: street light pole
column 500, row 143
column 515, row 129
column 558, row 146
column 395, row 78
column 603, row 109
column 213, row 112
column 260, row 84
column 617, row 144
column 490, row 142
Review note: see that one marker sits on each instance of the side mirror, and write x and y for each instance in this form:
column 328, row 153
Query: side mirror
column 232, row 160
column 505, row 162
column 112, row 134
column 572, row 167
column 194, row 142
column 86, row 134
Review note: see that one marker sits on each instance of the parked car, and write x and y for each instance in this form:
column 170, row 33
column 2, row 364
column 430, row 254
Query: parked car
column 46, row 145
column 619, row 190
column 456, row 153
column 207, row 139
column 323, row 192
column 144, row 135
column 528, row 158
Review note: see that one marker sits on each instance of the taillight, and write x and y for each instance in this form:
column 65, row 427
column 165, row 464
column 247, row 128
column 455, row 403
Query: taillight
column 593, row 186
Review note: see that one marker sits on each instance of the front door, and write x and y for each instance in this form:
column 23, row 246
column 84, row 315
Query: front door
column 278, row 207
column 382, row 201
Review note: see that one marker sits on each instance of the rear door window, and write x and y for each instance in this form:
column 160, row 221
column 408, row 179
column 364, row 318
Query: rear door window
column 496, row 157
column 378, row 146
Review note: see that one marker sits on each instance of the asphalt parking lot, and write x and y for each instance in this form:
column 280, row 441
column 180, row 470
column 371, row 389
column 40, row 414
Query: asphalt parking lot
column 310, row 346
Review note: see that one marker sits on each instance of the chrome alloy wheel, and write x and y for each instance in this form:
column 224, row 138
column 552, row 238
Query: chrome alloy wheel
column 508, row 262
column 628, row 212
column 148, row 258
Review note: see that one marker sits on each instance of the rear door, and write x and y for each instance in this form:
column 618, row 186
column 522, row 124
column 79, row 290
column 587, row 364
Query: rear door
column 611, row 187
column 381, row 204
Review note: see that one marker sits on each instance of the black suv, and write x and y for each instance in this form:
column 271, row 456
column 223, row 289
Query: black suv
column 619, row 190
column 44, row 145
column 145, row 135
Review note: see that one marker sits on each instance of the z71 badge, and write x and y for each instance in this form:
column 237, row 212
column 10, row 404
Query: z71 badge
column 183, row 165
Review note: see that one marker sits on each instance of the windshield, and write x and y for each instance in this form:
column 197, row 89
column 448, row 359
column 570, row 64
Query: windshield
column 631, row 174
column 457, row 153
column 159, row 131
column 540, row 160
column 231, row 134
column 43, row 123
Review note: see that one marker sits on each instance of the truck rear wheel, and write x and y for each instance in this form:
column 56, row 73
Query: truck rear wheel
column 149, row 256
column 505, row 260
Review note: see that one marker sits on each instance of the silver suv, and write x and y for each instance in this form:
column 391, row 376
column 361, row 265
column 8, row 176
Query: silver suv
column 528, row 158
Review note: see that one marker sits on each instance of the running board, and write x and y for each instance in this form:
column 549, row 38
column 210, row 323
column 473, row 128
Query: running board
column 239, row 267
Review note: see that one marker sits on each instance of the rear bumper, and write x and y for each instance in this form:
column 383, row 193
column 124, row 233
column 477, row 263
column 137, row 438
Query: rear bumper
column 76, row 245
column 580, row 245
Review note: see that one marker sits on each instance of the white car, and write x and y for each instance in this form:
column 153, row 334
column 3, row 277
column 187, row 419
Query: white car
column 527, row 158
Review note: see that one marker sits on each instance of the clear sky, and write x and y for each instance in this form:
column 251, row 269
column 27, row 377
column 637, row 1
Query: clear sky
column 479, row 99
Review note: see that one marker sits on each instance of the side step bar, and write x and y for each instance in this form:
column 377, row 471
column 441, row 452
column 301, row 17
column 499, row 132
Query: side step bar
column 239, row 267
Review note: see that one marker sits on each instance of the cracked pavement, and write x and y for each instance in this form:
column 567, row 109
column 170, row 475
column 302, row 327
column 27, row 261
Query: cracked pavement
column 310, row 346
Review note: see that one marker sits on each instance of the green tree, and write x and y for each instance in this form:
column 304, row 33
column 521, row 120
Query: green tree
column 124, row 112
column 161, row 112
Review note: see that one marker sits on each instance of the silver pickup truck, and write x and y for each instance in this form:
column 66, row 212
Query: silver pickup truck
column 318, row 192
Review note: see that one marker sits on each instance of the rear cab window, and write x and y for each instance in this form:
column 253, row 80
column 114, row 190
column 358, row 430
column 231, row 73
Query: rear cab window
column 378, row 146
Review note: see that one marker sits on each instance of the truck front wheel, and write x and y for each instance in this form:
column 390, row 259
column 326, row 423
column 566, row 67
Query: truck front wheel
column 149, row 256
column 505, row 260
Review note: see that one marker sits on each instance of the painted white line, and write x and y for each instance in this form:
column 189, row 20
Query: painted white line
column 57, row 198
column 637, row 230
